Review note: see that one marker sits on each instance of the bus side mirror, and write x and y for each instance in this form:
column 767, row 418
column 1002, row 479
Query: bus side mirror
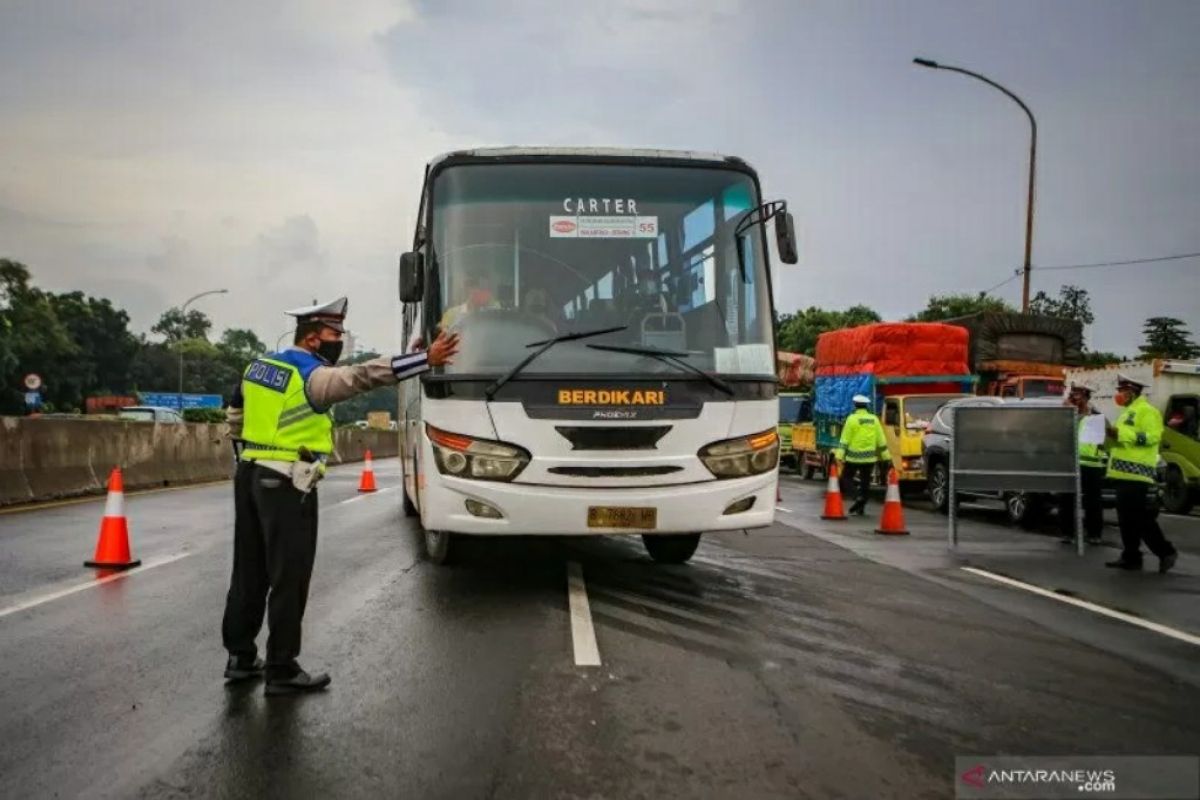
column 412, row 274
column 785, row 238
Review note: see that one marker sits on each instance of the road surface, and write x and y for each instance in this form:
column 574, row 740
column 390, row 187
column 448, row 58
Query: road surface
column 801, row 661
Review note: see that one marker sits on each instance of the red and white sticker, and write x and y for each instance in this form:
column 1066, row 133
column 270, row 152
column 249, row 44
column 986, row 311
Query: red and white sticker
column 598, row 227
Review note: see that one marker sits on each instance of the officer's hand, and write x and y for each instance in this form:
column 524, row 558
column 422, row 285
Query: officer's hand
column 443, row 349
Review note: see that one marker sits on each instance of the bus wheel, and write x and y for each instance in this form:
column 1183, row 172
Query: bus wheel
column 439, row 547
column 671, row 548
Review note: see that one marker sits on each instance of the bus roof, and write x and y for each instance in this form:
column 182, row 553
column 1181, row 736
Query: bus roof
column 587, row 153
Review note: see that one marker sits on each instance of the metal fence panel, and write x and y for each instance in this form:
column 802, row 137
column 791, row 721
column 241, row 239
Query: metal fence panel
column 1013, row 448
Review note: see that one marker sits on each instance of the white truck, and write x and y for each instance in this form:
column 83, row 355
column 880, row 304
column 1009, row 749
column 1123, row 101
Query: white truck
column 1173, row 387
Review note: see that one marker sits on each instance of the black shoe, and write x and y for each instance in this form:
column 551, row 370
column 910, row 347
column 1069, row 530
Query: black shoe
column 858, row 511
column 298, row 683
column 1121, row 563
column 1166, row 562
column 241, row 668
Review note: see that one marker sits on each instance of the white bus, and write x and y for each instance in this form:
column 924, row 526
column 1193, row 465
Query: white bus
column 617, row 367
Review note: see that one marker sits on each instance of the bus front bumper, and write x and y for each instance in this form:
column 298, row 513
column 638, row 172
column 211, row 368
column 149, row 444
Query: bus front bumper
column 564, row 511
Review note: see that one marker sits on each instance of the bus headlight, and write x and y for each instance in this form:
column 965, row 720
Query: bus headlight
column 479, row 459
column 743, row 456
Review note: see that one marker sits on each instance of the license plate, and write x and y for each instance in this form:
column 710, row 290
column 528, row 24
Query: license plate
column 622, row 517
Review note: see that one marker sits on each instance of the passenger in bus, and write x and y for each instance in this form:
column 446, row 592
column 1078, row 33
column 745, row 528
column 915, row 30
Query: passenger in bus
column 477, row 295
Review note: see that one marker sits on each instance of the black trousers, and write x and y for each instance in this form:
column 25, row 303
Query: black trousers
column 1091, row 484
column 1138, row 523
column 274, row 544
column 859, row 477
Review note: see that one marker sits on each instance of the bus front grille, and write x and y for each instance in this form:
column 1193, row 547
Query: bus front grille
column 601, row 437
column 614, row 472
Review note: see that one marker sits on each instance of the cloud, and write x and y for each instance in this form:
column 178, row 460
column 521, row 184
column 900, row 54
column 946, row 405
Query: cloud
column 162, row 149
column 172, row 256
column 294, row 246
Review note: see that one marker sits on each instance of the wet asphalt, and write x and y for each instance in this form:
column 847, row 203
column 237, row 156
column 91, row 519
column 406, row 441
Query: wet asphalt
column 791, row 662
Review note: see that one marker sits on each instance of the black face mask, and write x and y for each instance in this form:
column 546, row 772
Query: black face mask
column 330, row 351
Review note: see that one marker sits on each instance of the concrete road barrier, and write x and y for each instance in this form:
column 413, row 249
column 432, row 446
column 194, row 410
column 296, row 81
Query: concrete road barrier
column 45, row 459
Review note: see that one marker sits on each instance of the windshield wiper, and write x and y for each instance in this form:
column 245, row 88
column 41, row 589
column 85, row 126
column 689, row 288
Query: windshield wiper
column 545, row 345
column 668, row 357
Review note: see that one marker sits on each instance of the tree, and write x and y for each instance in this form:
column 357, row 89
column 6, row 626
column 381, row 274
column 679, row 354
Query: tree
column 34, row 340
column 175, row 326
column 1167, row 337
column 106, row 347
column 1072, row 302
column 951, row 306
column 1100, row 358
column 242, row 344
column 798, row 332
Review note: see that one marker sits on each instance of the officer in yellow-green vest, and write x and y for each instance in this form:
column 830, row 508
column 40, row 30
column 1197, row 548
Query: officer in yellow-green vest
column 1132, row 465
column 860, row 450
column 281, row 413
column 1093, row 461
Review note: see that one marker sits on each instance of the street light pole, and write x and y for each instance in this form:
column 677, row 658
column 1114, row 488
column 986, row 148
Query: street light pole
column 925, row 62
column 182, row 311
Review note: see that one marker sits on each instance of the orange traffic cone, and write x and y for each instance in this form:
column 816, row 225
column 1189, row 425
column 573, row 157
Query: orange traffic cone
column 112, row 548
column 833, row 495
column 892, row 521
column 367, row 482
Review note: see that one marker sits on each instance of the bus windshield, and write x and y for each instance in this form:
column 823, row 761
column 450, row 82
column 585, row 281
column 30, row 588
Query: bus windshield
column 525, row 252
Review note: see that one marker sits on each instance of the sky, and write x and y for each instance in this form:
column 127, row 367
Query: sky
column 150, row 151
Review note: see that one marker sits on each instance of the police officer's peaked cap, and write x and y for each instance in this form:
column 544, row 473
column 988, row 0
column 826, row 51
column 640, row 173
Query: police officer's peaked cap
column 861, row 400
column 1125, row 380
column 332, row 314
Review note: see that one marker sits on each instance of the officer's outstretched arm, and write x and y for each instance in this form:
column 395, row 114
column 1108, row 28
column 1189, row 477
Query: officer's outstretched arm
column 329, row 385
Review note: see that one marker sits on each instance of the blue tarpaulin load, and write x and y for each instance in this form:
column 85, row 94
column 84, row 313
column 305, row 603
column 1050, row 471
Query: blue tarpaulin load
column 834, row 393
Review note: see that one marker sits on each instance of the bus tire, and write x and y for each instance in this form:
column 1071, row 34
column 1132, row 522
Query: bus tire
column 671, row 548
column 440, row 547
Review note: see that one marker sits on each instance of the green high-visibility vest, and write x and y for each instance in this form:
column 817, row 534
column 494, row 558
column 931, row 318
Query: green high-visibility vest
column 1134, row 456
column 1091, row 455
column 277, row 419
column 862, row 440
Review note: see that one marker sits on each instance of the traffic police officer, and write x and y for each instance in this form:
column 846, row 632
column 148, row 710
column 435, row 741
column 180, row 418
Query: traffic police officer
column 861, row 448
column 282, row 411
column 1093, row 460
column 1132, row 464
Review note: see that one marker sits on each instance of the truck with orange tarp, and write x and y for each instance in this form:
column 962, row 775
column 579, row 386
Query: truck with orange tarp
column 794, row 372
column 908, row 369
